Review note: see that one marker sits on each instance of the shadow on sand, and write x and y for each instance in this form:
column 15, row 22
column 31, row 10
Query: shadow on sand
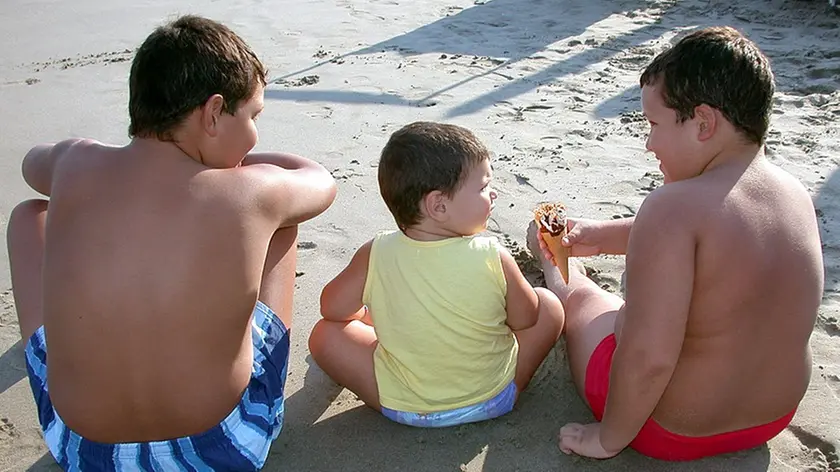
column 360, row 439
column 509, row 31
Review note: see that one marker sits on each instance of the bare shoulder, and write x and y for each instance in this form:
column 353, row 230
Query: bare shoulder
column 788, row 200
column 786, row 183
column 74, row 146
column 56, row 151
column 43, row 162
column 676, row 205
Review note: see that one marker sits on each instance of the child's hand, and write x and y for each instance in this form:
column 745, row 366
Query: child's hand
column 583, row 237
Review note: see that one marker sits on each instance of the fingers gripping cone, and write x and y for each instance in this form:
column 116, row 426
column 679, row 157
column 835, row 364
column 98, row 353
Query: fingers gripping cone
column 551, row 221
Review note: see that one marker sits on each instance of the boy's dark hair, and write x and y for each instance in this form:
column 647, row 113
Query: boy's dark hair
column 181, row 65
column 719, row 67
column 423, row 157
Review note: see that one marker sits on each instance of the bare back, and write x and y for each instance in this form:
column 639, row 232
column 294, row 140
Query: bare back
column 758, row 284
column 152, row 267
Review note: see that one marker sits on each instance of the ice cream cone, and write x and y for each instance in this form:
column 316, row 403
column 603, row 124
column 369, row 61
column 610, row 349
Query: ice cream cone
column 551, row 221
column 560, row 252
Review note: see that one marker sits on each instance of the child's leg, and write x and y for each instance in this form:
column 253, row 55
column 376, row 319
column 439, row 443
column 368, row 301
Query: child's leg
column 344, row 350
column 590, row 311
column 25, row 235
column 278, row 281
column 536, row 341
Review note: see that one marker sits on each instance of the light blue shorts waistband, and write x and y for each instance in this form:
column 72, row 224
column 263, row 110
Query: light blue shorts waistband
column 497, row 406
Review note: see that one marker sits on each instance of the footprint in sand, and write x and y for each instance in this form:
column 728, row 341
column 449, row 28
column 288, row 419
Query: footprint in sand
column 528, row 264
column 330, row 235
column 323, row 112
column 829, row 324
column 8, row 316
column 650, row 182
column 358, row 13
column 451, row 10
column 303, row 81
column 516, row 113
column 84, row 60
column 818, row 445
column 624, row 208
column 348, row 173
column 8, row 430
column 605, row 281
column 306, row 245
column 29, row 81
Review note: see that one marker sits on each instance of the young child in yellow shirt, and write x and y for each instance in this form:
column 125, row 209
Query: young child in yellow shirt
column 432, row 324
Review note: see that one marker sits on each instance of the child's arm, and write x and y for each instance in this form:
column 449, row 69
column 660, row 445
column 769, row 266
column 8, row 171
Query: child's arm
column 341, row 299
column 521, row 301
column 40, row 162
column 298, row 189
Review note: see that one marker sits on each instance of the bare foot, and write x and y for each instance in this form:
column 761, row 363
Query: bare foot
column 553, row 279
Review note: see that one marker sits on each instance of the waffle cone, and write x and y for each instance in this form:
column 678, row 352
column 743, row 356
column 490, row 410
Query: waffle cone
column 560, row 252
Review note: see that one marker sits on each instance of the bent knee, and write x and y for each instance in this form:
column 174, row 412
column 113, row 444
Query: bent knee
column 547, row 295
column 550, row 303
column 316, row 337
column 321, row 339
column 26, row 217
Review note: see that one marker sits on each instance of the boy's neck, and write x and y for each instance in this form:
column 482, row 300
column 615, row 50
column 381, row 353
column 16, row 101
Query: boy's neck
column 180, row 148
column 738, row 152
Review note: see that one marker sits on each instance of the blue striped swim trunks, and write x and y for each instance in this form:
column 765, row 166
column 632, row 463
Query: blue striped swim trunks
column 497, row 406
column 239, row 443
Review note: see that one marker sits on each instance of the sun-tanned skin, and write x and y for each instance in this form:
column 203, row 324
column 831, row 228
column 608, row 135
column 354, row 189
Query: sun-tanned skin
column 145, row 266
column 724, row 280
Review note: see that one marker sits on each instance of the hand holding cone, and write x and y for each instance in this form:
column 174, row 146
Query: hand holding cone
column 551, row 222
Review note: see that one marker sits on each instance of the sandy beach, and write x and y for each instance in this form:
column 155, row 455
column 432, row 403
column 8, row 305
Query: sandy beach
column 551, row 86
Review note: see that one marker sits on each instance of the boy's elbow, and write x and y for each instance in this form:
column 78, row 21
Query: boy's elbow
column 323, row 196
column 33, row 173
column 329, row 190
column 650, row 363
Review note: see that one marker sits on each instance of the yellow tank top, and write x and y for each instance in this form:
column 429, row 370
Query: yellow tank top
column 438, row 309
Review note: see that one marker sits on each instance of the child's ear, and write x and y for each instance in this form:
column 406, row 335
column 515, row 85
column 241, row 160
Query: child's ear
column 434, row 205
column 211, row 111
column 707, row 121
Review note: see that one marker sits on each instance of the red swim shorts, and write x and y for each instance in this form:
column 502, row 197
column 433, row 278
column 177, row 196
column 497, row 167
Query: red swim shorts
column 655, row 441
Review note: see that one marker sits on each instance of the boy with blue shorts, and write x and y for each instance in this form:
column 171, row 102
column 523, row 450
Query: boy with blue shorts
column 433, row 324
column 160, row 274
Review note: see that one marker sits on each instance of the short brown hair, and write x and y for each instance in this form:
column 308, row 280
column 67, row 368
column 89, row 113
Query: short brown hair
column 720, row 67
column 423, row 157
column 180, row 66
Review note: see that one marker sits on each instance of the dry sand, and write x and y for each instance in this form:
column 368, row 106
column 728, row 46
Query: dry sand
column 549, row 85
